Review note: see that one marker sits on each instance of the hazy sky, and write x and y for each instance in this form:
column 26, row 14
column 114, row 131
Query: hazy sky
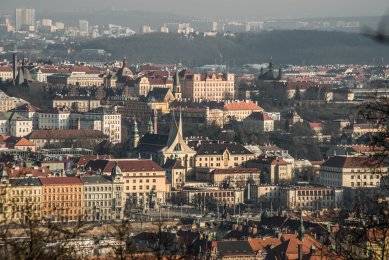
column 217, row 8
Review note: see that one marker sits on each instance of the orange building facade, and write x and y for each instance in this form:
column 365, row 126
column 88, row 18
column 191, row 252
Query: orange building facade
column 62, row 198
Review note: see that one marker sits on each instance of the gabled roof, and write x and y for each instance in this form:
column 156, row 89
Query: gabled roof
column 23, row 142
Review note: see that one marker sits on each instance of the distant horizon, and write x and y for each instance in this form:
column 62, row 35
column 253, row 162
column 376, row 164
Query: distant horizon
column 215, row 9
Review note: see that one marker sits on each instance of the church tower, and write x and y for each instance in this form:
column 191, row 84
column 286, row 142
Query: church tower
column 150, row 128
column 177, row 86
column 134, row 135
column 177, row 148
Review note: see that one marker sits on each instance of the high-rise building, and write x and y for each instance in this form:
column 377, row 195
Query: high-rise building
column 83, row 26
column 25, row 19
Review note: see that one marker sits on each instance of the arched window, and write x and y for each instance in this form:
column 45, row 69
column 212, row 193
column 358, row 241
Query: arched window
column 177, row 148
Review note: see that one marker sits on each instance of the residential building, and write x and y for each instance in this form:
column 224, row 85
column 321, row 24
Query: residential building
column 24, row 19
column 62, row 198
column 82, row 79
column 311, row 198
column 235, row 177
column 239, row 110
column 12, row 123
column 6, row 73
column 26, row 199
column 102, row 198
column 144, row 181
column 198, row 195
column 356, row 171
column 211, row 156
column 210, row 86
column 275, row 170
column 76, row 103
column 7, row 103
column 259, row 122
column 265, row 195
column 175, row 173
column 106, row 120
column 65, row 138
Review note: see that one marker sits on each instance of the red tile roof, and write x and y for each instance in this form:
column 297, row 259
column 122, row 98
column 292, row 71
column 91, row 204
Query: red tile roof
column 242, row 106
column 24, row 142
column 61, row 181
column 85, row 159
column 315, row 125
column 28, row 171
column 352, row 162
column 65, row 134
column 5, row 69
column 126, row 165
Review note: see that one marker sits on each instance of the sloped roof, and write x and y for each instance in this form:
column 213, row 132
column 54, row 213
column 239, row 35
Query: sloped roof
column 235, row 248
column 24, row 142
column 173, row 164
column 261, row 116
column 25, row 182
column 126, row 165
column 96, row 179
column 218, row 148
column 158, row 94
column 351, row 162
column 242, row 106
column 60, row 181
column 65, row 134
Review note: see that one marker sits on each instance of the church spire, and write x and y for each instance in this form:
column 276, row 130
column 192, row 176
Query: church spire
column 177, row 85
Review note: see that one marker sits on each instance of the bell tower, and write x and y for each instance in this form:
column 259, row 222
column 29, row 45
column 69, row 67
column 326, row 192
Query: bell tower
column 134, row 135
column 177, row 86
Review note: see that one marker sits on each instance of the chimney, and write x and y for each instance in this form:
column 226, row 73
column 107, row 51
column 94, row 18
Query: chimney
column 254, row 230
column 14, row 67
column 155, row 122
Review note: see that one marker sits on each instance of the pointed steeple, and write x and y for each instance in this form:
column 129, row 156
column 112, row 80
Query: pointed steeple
column 180, row 125
column 173, row 131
